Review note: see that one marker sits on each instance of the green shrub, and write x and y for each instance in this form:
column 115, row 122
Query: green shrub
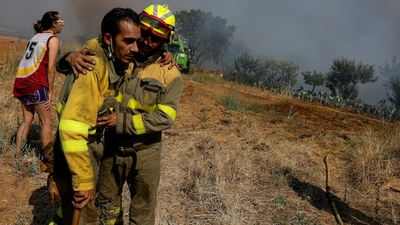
column 280, row 200
column 231, row 102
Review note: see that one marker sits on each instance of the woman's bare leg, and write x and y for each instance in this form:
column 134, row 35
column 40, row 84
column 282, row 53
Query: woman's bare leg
column 28, row 113
column 45, row 120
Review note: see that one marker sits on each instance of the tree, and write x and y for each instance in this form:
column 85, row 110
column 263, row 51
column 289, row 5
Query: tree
column 269, row 73
column 210, row 36
column 394, row 95
column 314, row 79
column 345, row 75
column 392, row 70
column 277, row 74
column 246, row 68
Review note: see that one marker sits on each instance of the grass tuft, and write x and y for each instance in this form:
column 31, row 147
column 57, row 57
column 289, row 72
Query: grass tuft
column 301, row 218
column 231, row 102
column 27, row 164
column 374, row 159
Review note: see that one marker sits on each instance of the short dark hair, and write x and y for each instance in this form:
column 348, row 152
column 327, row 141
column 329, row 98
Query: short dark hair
column 110, row 22
column 47, row 21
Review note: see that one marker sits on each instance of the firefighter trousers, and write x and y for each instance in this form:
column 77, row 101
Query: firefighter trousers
column 64, row 212
column 141, row 170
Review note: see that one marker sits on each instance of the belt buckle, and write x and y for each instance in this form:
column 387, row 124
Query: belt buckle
column 121, row 150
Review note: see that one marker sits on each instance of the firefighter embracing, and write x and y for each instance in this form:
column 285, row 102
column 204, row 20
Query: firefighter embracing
column 111, row 120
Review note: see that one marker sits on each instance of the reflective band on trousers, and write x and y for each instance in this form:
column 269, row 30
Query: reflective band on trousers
column 137, row 121
column 58, row 216
column 59, row 108
column 111, row 222
column 113, row 213
column 59, row 212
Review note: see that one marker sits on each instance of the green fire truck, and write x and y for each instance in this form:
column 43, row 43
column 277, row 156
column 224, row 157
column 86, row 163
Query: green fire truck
column 180, row 48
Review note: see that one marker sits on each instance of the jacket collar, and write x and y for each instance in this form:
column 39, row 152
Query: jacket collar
column 150, row 60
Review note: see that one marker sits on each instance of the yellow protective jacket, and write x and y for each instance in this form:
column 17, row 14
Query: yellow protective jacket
column 148, row 102
column 78, row 115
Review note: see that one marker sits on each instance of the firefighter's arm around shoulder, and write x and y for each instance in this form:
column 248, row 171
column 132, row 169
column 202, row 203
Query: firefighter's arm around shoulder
column 73, row 63
column 77, row 120
column 160, row 117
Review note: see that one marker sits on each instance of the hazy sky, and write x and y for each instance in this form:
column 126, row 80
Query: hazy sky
column 309, row 32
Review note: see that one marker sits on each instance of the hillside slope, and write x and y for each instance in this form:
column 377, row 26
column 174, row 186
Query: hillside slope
column 264, row 164
column 259, row 162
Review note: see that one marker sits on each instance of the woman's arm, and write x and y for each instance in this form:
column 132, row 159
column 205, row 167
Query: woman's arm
column 54, row 44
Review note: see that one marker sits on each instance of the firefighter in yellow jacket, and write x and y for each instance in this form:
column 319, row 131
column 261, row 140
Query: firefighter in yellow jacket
column 147, row 104
column 114, row 52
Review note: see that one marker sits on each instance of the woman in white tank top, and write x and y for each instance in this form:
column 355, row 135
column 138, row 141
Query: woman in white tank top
column 35, row 78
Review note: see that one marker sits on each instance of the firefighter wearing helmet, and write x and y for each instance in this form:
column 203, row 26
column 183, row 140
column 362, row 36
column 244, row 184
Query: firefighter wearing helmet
column 147, row 105
column 158, row 19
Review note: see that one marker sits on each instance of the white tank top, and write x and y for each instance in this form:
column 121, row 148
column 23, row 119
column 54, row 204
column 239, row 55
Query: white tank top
column 34, row 54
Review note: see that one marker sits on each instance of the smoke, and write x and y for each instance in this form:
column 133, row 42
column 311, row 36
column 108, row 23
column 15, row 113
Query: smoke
column 309, row 32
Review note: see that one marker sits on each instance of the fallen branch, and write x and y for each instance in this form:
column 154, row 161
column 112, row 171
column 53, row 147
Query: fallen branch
column 328, row 192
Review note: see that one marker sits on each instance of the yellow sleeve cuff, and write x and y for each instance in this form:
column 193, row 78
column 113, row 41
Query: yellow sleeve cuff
column 82, row 184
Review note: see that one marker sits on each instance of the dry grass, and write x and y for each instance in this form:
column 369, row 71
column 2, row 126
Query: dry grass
column 11, row 61
column 248, row 168
column 7, row 71
column 375, row 157
column 373, row 164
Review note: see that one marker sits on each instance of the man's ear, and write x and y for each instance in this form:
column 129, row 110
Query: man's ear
column 107, row 38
